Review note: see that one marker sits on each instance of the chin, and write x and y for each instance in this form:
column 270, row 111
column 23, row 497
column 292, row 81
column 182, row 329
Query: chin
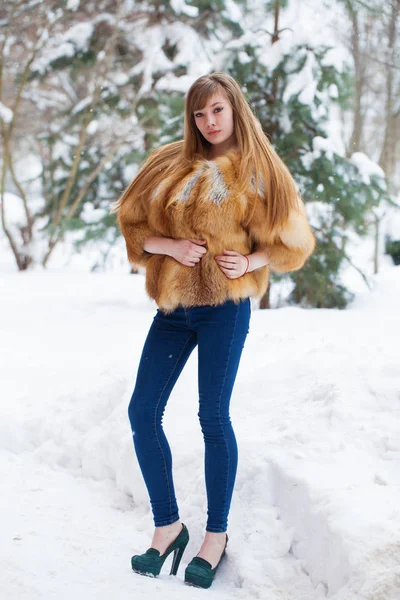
column 220, row 141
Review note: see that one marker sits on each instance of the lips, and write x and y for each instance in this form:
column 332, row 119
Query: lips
column 214, row 132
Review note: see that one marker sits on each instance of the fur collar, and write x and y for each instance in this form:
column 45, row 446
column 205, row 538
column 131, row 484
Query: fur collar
column 218, row 177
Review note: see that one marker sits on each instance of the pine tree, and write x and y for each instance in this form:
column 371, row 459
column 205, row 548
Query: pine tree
column 293, row 100
column 146, row 100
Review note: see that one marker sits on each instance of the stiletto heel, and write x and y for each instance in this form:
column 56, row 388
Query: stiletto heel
column 178, row 553
column 151, row 561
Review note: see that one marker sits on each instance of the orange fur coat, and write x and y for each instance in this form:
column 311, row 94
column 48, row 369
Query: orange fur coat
column 207, row 206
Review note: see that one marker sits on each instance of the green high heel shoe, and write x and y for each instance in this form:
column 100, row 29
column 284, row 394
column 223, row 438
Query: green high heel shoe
column 199, row 572
column 151, row 561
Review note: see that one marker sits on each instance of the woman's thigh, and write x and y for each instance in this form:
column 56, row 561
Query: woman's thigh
column 221, row 336
column 167, row 348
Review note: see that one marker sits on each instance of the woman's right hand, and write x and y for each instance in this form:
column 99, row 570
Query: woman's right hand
column 188, row 252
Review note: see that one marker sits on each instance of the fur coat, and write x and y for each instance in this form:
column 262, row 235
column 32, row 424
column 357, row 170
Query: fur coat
column 207, row 206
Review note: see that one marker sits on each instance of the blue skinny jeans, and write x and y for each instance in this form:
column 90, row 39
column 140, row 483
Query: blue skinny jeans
column 220, row 333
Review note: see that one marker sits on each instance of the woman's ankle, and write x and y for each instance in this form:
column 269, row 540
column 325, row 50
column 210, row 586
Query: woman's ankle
column 213, row 536
column 176, row 525
column 163, row 536
column 213, row 547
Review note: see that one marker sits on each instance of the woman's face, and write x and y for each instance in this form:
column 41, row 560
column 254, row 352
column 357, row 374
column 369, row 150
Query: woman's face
column 215, row 121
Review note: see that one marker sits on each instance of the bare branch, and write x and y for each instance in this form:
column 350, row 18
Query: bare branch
column 77, row 201
column 9, row 158
column 382, row 62
column 347, row 257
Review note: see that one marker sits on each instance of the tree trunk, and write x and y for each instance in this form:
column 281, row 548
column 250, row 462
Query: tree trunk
column 376, row 248
column 359, row 71
column 265, row 300
column 387, row 158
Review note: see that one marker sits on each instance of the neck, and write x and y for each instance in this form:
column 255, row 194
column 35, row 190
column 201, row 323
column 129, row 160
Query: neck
column 220, row 149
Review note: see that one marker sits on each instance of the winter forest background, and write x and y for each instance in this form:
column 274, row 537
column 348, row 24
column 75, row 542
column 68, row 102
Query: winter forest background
column 87, row 89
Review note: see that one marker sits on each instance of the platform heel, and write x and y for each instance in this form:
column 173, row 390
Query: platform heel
column 199, row 572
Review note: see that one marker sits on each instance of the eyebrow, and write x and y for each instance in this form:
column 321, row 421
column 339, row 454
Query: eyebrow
column 200, row 109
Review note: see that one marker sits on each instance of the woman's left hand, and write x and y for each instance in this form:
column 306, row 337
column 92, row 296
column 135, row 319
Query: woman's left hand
column 232, row 264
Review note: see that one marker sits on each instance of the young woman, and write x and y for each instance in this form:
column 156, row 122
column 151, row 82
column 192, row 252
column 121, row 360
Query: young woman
column 207, row 217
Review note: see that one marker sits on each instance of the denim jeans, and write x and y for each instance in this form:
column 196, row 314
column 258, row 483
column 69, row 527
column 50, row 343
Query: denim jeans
column 220, row 333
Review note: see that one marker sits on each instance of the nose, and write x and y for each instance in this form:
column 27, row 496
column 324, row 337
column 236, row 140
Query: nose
column 210, row 121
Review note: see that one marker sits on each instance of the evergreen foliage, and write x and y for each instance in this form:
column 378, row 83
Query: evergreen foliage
column 392, row 247
column 123, row 78
column 338, row 197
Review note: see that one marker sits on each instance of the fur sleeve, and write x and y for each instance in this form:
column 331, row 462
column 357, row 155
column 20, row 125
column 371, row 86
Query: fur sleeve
column 132, row 219
column 291, row 245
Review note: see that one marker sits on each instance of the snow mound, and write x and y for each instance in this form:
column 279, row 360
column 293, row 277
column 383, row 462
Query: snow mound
column 316, row 412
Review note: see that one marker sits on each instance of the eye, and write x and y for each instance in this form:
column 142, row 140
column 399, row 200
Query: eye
column 199, row 114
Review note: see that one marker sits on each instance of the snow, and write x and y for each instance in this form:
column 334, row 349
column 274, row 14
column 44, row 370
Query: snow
column 150, row 41
column 243, row 58
column 120, row 78
column 92, row 127
column 392, row 221
column 233, row 11
column 13, row 209
column 309, row 22
column 303, row 83
column 367, row 167
column 316, row 411
column 73, row 5
column 180, row 7
column 333, row 91
column 191, row 51
column 316, row 406
column 81, row 105
column 321, row 145
column 319, row 213
column 75, row 39
column 6, row 114
column 90, row 214
column 80, row 34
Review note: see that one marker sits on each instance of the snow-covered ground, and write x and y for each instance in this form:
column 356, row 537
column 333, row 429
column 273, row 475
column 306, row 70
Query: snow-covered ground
column 316, row 410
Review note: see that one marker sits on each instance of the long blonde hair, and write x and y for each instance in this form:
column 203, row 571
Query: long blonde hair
column 258, row 159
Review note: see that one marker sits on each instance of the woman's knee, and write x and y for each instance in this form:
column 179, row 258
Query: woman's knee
column 139, row 415
column 132, row 413
column 214, row 422
column 144, row 417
